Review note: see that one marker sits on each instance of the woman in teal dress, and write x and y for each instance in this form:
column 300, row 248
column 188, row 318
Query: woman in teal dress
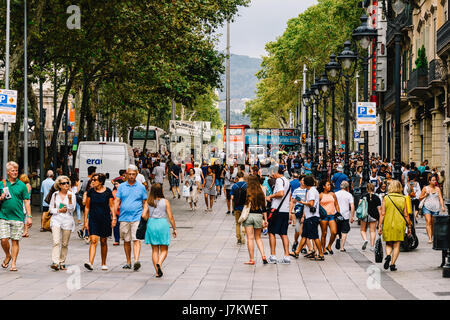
column 158, row 230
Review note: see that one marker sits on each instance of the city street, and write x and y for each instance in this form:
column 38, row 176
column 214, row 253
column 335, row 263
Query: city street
column 204, row 262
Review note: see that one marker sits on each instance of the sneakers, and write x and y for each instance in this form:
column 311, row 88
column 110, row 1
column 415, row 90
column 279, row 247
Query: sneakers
column 228, row 212
column 338, row 244
column 136, row 266
column 88, row 266
column 294, row 246
column 272, row 259
column 80, row 234
column 265, row 231
column 127, row 266
column 372, row 249
column 104, row 267
column 285, row 260
column 364, row 246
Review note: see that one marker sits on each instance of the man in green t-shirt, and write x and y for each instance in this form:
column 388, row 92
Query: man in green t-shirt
column 14, row 197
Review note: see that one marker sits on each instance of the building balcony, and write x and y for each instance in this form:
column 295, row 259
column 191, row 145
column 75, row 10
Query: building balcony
column 389, row 98
column 443, row 40
column 434, row 72
column 418, row 83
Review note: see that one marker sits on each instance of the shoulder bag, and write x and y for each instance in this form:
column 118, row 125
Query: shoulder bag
column 244, row 214
column 272, row 212
column 362, row 210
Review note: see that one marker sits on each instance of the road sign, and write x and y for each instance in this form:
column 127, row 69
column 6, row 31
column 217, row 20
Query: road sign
column 8, row 105
column 356, row 134
column 366, row 116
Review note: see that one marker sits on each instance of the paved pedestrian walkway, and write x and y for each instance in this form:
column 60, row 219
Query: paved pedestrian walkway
column 205, row 262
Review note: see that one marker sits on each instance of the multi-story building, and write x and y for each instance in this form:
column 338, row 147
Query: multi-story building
column 425, row 62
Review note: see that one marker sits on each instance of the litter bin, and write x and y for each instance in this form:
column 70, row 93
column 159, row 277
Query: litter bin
column 441, row 239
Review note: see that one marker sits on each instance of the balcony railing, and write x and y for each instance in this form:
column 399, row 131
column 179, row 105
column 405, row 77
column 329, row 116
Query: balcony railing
column 418, row 79
column 434, row 71
column 389, row 95
column 443, row 37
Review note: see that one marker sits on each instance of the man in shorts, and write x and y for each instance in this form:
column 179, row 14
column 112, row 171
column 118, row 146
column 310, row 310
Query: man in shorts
column 14, row 195
column 347, row 207
column 131, row 197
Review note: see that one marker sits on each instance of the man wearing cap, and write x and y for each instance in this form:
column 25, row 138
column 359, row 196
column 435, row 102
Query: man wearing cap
column 338, row 177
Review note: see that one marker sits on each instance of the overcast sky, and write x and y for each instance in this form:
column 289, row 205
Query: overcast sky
column 261, row 22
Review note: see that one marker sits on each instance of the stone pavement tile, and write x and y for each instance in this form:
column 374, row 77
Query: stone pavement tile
column 236, row 296
column 150, row 290
column 24, row 295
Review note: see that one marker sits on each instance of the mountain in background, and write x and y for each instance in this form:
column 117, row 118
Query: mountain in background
column 242, row 87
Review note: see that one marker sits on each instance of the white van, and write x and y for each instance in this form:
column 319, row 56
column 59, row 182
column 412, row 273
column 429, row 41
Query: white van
column 108, row 157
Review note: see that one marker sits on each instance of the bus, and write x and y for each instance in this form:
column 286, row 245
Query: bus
column 157, row 139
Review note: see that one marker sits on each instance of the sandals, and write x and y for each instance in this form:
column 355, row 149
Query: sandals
column 264, row 260
column 293, row 254
column 310, row 255
column 343, row 250
column 250, row 262
column 160, row 273
column 13, row 269
column 318, row 258
column 54, row 266
column 330, row 251
column 62, row 267
column 5, row 265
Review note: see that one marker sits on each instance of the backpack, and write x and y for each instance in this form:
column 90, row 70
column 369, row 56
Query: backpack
column 362, row 211
column 240, row 195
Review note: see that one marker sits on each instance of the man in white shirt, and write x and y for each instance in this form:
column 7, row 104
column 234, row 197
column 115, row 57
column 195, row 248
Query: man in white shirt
column 280, row 221
column 347, row 207
column 140, row 178
column 310, row 221
column 158, row 171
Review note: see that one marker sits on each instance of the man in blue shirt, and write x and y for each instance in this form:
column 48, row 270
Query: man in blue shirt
column 307, row 167
column 45, row 189
column 131, row 196
column 338, row 177
column 294, row 183
column 238, row 196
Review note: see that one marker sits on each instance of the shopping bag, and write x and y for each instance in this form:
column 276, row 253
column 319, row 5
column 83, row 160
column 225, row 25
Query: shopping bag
column 379, row 250
column 186, row 192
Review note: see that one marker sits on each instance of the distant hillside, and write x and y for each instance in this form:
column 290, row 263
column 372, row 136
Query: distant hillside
column 243, row 80
column 242, row 87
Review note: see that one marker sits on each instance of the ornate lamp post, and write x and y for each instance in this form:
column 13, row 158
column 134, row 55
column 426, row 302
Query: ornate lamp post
column 305, row 98
column 347, row 59
column 397, row 6
column 324, row 88
column 333, row 70
column 315, row 89
column 365, row 35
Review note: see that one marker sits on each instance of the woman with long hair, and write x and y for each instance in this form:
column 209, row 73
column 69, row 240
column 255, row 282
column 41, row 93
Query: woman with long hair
column 432, row 204
column 257, row 218
column 209, row 190
column 329, row 202
column 97, row 218
column 24, row 178
column 394, row 218
column 158, row 230
column 62, row 206
column 373, row 215
column 192, row 181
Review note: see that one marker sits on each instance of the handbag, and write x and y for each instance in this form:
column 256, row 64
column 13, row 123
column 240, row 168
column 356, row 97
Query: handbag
column 362, row 211
column 338, row 216
column 323, row 213
column 244, row 214
column 272, row 212
column 378, row 250
column 141, row 229
column 46, row 217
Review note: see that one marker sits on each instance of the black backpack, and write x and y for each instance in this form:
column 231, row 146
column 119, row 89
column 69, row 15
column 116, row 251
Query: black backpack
column 240, row 195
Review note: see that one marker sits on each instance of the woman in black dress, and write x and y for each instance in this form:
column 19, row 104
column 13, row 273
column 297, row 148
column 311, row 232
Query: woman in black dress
column 97, row 218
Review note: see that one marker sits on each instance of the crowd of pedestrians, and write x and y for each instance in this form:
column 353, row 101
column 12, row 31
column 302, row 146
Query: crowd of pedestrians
column 320, row 202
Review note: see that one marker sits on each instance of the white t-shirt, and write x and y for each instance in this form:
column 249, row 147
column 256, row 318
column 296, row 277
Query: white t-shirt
column 140, row 178
column 198, row 173
column 312, row 194
column 159, row 174
column 344, row 199
column 278, row 187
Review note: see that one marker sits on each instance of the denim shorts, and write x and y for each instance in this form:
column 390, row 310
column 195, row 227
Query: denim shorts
column 219, row 182
column 426, row 211
column 329, row 217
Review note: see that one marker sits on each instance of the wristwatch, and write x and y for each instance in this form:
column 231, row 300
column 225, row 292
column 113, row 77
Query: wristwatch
column 29, row 216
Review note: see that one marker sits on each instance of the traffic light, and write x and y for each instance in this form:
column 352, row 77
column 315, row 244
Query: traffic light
column 303, row 138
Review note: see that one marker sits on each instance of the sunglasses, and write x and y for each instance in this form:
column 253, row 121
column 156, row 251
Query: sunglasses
column 94, row 179
column 64, row 183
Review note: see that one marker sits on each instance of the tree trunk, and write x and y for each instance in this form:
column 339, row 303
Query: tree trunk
column 83, row 110
column 131, row 136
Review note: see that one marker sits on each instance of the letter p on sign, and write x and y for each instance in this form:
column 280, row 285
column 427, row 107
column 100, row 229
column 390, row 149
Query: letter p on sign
column 74, row 21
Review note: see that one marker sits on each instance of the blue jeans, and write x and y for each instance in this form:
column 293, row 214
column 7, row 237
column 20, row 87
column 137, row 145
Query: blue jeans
column 78, row 212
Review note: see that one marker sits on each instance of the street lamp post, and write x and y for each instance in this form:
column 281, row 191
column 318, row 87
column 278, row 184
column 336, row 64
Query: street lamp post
column 305, row 97
column 365, row 35
column 333, row 70
column 324, row 87
column 397, row 6
column 347, row 58
column 315, row 88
